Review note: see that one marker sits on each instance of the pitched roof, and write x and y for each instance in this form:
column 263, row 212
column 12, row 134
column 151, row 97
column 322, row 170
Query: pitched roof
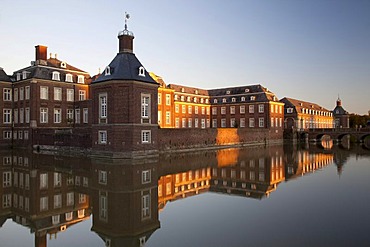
column 339, row 110
column 299, row 104
column 4, row 76
column 125, row 66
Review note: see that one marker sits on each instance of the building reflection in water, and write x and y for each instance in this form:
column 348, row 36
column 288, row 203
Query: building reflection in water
column 48, row 194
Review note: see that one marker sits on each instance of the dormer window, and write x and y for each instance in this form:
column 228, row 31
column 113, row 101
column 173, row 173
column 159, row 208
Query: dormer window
column 182, row 98
column 69, row 78
column 246, row 90
column 63, row 65
column 24, row 75
column 233, row 100
column 182, row 90
column 202, row 100
column 196, row 92
column 242, row 99
column 56, row 76
column 18, row 76
column 253, row 98
column 228, row 92
column 206, row 101
column 224, row 100
column 81, row 79
column 301, row 104
column 215, row 101
column 107, row 70
column 188, row 99
column 289, row 110
column 176, row 96
column 195, row 100
column 142, row 71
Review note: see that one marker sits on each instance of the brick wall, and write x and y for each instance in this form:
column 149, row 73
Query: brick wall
column 177, row 139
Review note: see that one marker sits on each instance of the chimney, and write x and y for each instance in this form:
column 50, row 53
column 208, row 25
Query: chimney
column 41, row 54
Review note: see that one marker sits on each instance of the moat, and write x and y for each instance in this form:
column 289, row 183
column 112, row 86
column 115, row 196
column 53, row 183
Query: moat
column 291, row 195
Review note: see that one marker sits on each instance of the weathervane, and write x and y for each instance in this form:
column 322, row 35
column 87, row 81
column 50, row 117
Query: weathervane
column 127, row 16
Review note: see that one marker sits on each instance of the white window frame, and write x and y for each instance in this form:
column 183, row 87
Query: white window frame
column 27, row 92
column 146, row 136
column 102, row 137
column 55, row 76
column 7, row 94
column 69, row 78
column 57, row 93
column 44, row 92
column 146, row 176
column 57, row 115
column 85, row 115
column 261, row 108
column 145, row 108
column 81, row 79
column 70, row 95
column 261, row 122
column 251, row 109
column 7, row 116
column 81, row 95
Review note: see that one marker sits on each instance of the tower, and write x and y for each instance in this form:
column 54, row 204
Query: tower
column 125, row 105
column 341, row 116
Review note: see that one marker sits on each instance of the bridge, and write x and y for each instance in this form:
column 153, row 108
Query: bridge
column 337, row 134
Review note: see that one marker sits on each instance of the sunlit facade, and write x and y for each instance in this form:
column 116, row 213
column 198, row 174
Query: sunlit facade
column 303, row 115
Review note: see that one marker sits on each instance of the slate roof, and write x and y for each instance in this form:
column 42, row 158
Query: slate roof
column 40, row 71
column 299, row 104
column 4, row 76
column 340, row 111
column 188, row 90
column 125, row 66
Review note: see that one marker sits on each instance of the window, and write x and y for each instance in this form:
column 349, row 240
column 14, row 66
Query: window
column 15, row 94
column 223, row 110
column 81, row 213
column 145, row 206
column 253, row 98
column 43, row 181
column 146, row 176
column 272, row 108
column 184, row 122
column 21, row 115
column 145, row 136
column 27, row 181
column 251, row 122
column 189, row 109
column 242, row 99
column 7, row 179
column 102, row 137
column 77, row 116
column 81, row 79
column 56, row 76
column 15, row 116
column 203, row 110
column 20, row 135
column 81, row 198
column 27, row 114
column 214, row 123
column 232, row 122
column 82, row 95
column 182, row 97
column 69, row 115
column 214, row 110
column 177, row 122
column 7, row 94
column 70, row 198
column 103, row 205
column 251, row 109
column 233, row 100
column 107, row 71
column 7, row 116
column 58, row 201
column 69, row 78
column 280, row 122
column 232, row 110
column 70, row 94
column 27, row 92
column 168, row 117
column 44, row 203
column 196, row 109
column 242, row 122
column 7, row 135
column 223, row 123
column 145, row 108
column 203, row 123
column 168, row 99
column 272, row 122
column 261, row 108
column 69, row 216
column 224, row 100
column 103, row 177
column 57, row 115
column 189, row 122
column 141, row 71
column 103, row 105
column 183, row 109
column 7, row 200
column 44, row 92
column 85, row 116
column 261, row 122
column 289, row 110
column 196, row 123
column 215, row 101
column 57, row 179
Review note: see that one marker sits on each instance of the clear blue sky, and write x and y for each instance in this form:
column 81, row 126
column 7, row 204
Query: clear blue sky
column 305, row 49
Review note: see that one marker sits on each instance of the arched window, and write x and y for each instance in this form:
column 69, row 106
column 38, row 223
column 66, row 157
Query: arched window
column 56, row 76
column 63, row 65
column 215, row 101
column 69, row 78
column 107, row 70
column 141, row 71
column 224, row 100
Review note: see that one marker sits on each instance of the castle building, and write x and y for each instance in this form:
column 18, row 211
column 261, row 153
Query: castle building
column 341, row 116
column 6, row 107
column 302, row 115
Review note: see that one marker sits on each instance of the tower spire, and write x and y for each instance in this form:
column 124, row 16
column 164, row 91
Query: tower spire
column 126, row 38
column 127, row 16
